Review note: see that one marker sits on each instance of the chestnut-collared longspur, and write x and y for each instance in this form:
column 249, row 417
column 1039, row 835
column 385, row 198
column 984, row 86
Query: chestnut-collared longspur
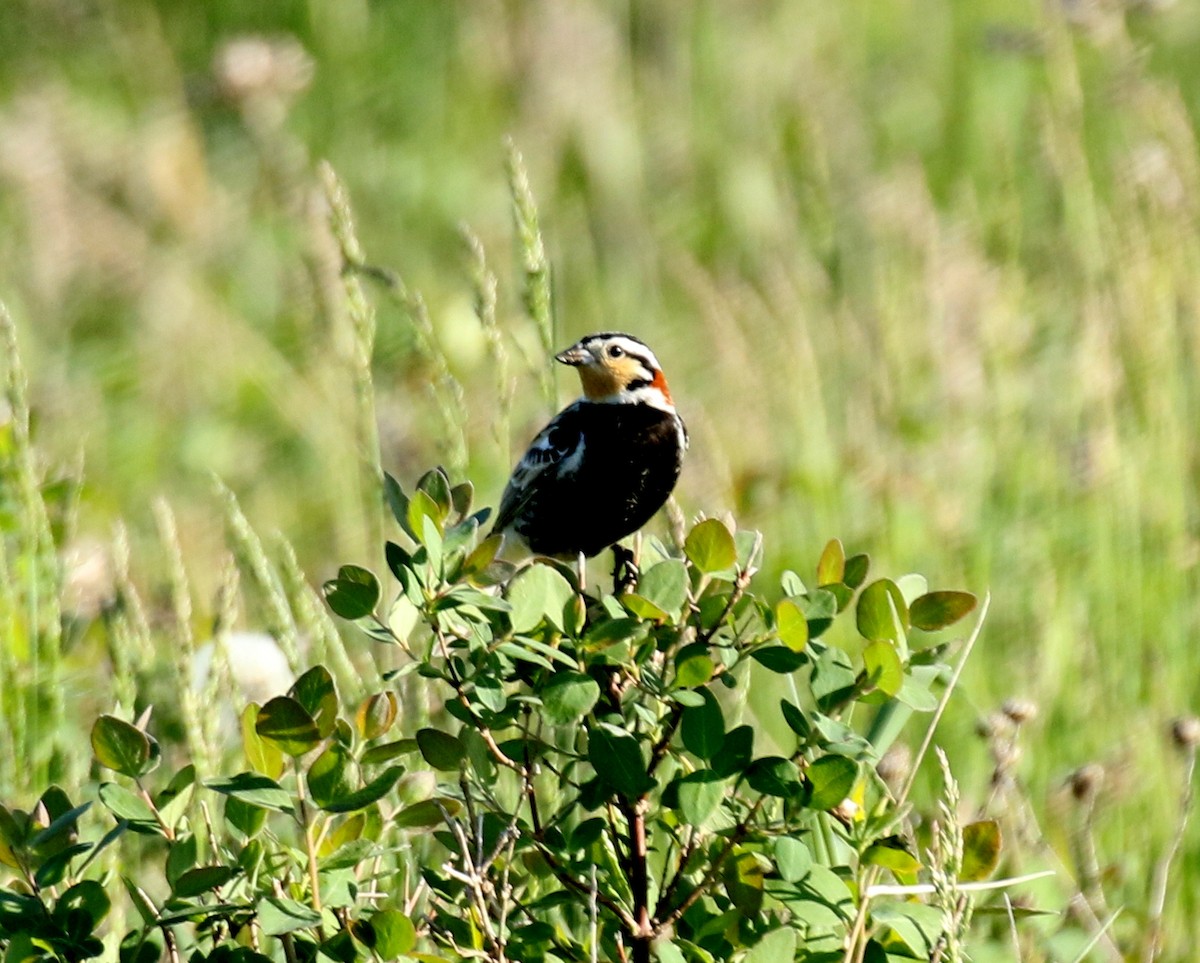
column 605, row 464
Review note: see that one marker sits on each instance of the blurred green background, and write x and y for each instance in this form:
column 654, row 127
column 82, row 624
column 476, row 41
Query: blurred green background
column 924, row 276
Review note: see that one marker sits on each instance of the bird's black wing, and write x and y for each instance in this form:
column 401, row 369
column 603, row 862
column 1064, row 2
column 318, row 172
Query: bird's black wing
column 541, row 465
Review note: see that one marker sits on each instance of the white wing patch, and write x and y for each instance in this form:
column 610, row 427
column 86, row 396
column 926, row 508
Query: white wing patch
column 570, row 464
column 556, row 449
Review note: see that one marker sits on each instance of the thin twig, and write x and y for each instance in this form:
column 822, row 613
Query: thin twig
column 1162, row 869
column 735, row 837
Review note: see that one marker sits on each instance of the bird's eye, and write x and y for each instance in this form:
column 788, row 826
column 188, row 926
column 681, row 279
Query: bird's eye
column 615, row 351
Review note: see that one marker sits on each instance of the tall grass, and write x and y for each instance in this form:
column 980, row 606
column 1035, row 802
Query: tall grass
column 925, row 279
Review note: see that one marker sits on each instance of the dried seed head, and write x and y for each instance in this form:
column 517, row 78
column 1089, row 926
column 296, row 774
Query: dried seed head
column 1085, row 782
column 1019, row 711
column 1185, row 732
column 995, row 725
column 251, row 66
column 895, row 766
column 1005, row 755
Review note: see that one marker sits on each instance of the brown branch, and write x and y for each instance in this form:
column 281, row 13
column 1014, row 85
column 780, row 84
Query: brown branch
column 639, row 878
column 735, row 837
column 456, row 683
column 561, row 874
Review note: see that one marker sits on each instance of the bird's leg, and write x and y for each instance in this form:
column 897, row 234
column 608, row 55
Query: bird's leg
column 625, row 570
column 582, row 562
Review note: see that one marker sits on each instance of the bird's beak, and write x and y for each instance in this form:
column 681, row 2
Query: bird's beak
column 574, row 356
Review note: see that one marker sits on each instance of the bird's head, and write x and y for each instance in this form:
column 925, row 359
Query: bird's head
column 618, row 369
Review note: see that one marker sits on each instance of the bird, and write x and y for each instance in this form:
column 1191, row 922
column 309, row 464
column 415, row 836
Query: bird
column 604, row 464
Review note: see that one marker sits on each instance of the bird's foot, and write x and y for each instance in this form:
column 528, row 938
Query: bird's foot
column 625, row 570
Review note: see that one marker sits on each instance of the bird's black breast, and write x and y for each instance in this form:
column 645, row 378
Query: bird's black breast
column 628, row 466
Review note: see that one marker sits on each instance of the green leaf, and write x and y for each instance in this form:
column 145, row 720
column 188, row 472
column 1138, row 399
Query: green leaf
column 538, row 593
column 693, row 666
column 525, row 654
column 841, row 592
column 936, row 610
column 287, row 724
column 424, row 814
column 795, row 719
column 832, row 566
column 87, row 897
column 329, row 777
column 833, row 679
column 436, row 485
column 710, row 546
column 617, row 759
column 981, row 850
column 122, row 747
column 549, row 652
column 317, row 695
column 883, row 668
column 490, row 693
column 791, row 625
column 388, row 751
column 440, row 749
column 775, row 776
column 133, row 809
column 568, row 696
column 856, row 569
column 892, row 853
column 202, row 879
column 779, row 658
column 743, row 875
column 482, row 555
column 173, row 802
column 792, row 584
column 402, row 619
column 353, row 594
column 371, row 793
column 397, row 501
column 398, row 560
column 882, row 615
column 775, row 946
column 918, row 926
column 735, row 753
column 462, row 496
column 263, row 756
column 699, row 795
column 912, row 586
column 916, row 693
column 277, row 915
column 819, row 606
column 245, row 818
column 703, row 727
column 415, row 787
column 643, row 608
column 181, row 857
column 254, row 789
column 63, row 829
column 431, row 538
column 665, row 585
column 376, row 714
column 832, row 779
column 668, row 952
column 792, row 858
column 421, row 507
column 142, row 903
column 395, row 934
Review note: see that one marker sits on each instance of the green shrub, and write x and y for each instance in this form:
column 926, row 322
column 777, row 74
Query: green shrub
column 550, row 774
